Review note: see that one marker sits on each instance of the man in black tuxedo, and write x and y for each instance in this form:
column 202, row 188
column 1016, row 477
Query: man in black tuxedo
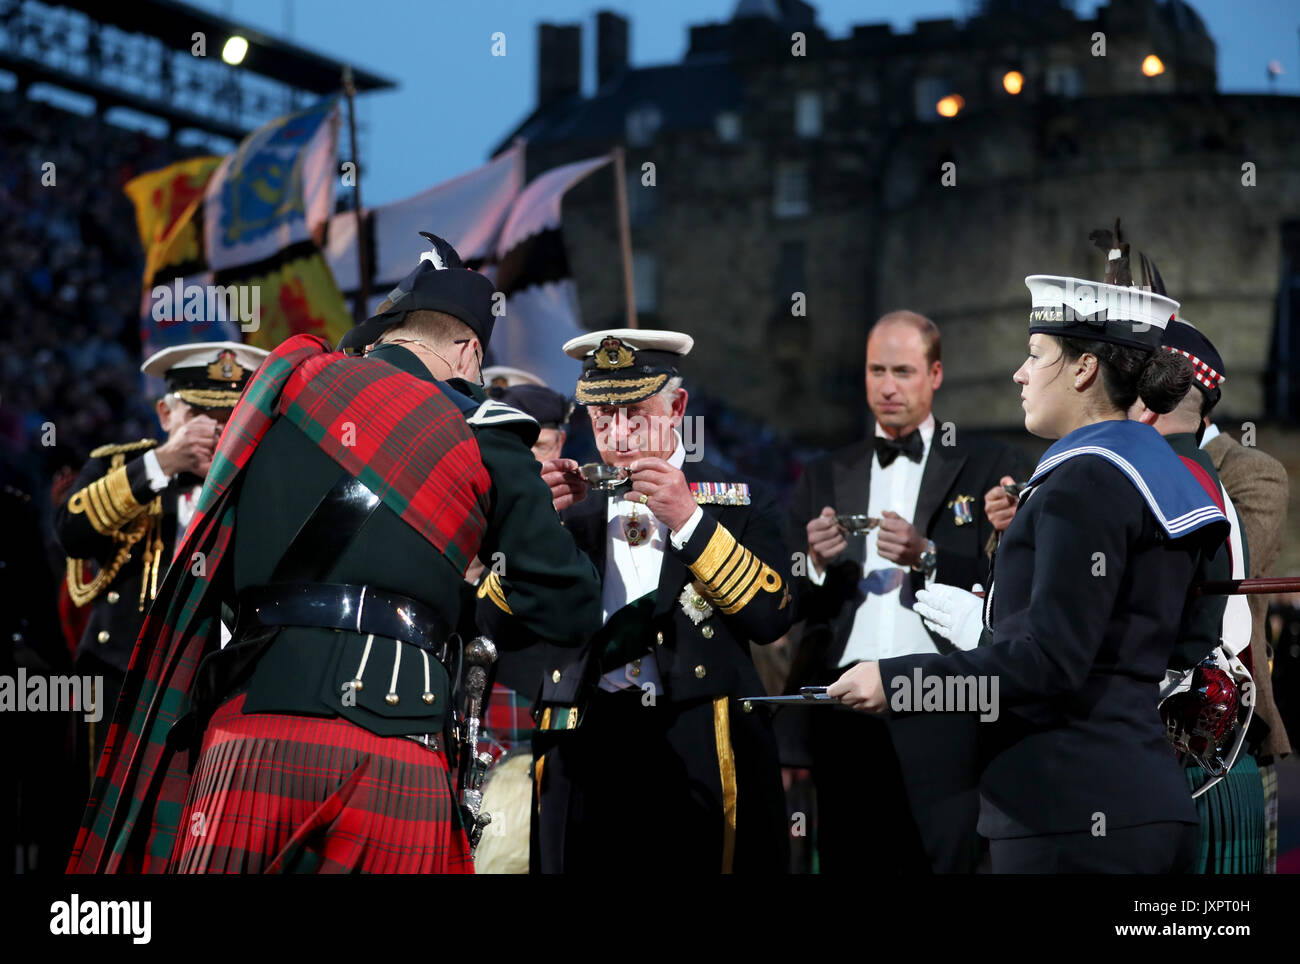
column 902, row 793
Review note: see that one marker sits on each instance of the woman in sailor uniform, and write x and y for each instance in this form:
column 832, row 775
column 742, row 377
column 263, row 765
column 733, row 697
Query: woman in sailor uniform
column 1090, row 593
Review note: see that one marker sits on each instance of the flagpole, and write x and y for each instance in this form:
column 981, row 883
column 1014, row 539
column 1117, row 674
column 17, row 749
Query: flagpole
column 624, row 236
column 363, row 259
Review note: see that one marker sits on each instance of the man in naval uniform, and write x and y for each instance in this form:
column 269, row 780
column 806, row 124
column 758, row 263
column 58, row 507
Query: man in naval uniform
column 643, row 738
column 126, row 512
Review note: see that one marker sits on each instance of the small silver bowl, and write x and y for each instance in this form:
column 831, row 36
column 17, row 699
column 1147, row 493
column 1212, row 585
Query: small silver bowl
column 600, row 475
column 856, row 525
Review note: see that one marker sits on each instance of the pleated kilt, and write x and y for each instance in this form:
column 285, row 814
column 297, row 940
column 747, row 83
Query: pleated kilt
column 1233, row 814
column 275, row 793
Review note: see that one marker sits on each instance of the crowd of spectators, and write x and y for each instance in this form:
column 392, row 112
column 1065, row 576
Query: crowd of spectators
column 70, row 270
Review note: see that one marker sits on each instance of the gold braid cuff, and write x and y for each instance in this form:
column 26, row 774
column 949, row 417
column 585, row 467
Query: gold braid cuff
column 107, row 502
column 491, row 588
column 729, row 574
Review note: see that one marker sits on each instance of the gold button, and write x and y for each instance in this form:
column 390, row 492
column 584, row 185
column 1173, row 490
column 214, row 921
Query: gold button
column 699, row 671
column 747, row 706
column 391, row 699
column 636, row 668
column 356, row 684
column 659, row 638
column 428, row 698
column 113, row 597
column 555, row 676
column 103, row 636
column 708, row 632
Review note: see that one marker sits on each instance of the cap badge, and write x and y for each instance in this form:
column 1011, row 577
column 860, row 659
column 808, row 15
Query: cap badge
column 613, row 354
column 225, row 368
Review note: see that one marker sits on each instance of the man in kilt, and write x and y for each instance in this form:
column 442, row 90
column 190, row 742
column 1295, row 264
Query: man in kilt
column 346, row 500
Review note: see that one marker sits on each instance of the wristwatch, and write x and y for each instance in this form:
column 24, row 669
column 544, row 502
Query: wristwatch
column 929, row 559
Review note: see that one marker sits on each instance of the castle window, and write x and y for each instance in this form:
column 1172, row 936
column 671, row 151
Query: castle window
column 927, row 92
column 790, row 190
column 641, row 200
column 808, row 114
column 642, row 125
column 645, row 276
column 727, row 125
column 1062, row 80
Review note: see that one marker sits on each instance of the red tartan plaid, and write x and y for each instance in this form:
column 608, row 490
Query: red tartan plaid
column 132, row 816
column 274, row 793
column 508, row 721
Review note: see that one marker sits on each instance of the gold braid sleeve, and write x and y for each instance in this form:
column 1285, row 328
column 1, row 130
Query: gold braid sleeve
column 729, row 575
column 107, row 502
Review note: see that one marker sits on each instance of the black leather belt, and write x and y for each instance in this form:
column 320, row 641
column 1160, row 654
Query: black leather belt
column 342, row 606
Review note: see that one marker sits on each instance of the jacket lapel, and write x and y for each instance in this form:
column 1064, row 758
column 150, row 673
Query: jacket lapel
column 941, row 469
column 851, row 489
column 587, row 521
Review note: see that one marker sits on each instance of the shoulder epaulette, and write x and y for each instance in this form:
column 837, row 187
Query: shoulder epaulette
column 493, row 412
column 104, row 450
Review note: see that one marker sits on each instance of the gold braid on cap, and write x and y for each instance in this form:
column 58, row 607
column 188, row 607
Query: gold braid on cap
column 209, row 397
column 609, row 391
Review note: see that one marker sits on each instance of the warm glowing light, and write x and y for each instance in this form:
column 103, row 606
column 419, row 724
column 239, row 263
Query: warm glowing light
column 1153, row 65
column 950, row 105
column 1013, row 81
column 235, row 49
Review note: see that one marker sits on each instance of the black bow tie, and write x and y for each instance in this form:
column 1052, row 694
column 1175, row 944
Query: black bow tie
column 888, row 449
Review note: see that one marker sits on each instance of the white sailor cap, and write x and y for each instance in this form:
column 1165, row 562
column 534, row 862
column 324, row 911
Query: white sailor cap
column 206, row 374
column 1075, row 308
column 625, row 365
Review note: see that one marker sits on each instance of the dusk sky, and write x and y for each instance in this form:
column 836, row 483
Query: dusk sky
column 454, row 100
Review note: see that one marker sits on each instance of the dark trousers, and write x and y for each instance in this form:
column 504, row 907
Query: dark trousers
column 1153, row 848
column 903, row 791
column 637, row 782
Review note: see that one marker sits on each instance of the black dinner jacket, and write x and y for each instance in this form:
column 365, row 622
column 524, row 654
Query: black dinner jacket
column 842, row 479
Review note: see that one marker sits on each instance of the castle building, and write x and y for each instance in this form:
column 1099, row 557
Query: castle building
column 787, row 187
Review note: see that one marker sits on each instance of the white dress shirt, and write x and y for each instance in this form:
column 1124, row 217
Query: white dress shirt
column 186, row 504
column 881, row 626
column 633, row 571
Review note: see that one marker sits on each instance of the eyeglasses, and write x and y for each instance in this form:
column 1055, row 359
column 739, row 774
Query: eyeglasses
column 419, row 341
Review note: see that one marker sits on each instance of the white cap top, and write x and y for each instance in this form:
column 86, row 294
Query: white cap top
column 1092, row 301
column 513, row 376
column 201, row 353
column 637, row 339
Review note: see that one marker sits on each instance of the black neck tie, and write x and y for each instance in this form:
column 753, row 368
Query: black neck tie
column 888, row 449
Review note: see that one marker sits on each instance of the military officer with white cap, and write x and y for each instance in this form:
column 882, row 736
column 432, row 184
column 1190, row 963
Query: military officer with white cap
column 130, row 505
column 641, row 738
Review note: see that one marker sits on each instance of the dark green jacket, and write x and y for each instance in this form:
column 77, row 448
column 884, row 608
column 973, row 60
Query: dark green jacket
column 551, row 586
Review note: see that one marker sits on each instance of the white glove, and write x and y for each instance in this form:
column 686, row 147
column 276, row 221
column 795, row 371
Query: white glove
column 953, row 613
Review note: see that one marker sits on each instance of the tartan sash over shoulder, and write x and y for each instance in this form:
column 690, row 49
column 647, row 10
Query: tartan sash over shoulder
column 398, row 434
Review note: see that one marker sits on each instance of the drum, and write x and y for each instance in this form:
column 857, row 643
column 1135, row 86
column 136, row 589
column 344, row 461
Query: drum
column 507, row 796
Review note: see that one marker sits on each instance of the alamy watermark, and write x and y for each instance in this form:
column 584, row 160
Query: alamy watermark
column 51, row 694
column 179, row 302
column 945, row 694
column 651, row 433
